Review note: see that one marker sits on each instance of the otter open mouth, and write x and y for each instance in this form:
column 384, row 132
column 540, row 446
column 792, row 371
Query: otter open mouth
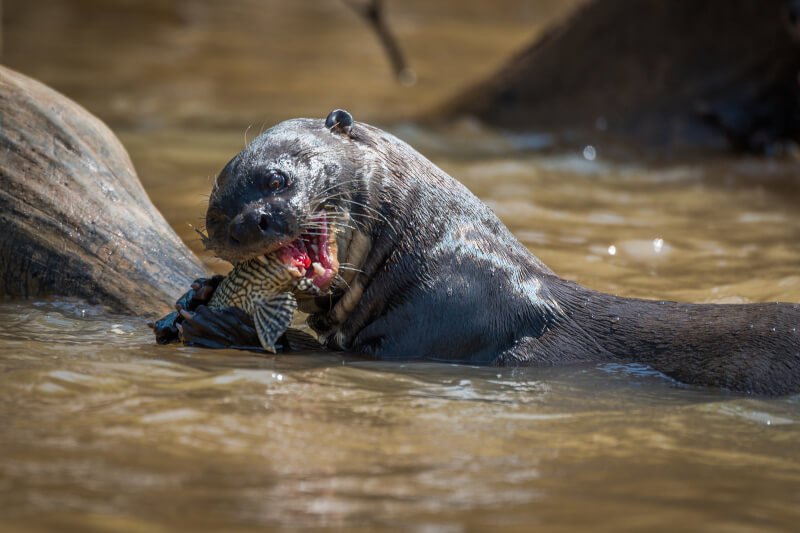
column 313, row 254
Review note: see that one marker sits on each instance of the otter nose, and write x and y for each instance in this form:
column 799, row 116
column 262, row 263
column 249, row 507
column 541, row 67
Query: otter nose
column 249, row 227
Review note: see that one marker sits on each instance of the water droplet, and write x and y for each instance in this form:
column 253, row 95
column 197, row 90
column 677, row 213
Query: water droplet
column 751, row 326
column 589, row 153
column 449, row 291
column 773, row 329
column 658, row 244
column 612, row 250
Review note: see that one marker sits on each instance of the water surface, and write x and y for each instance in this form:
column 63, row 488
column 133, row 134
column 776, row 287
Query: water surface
column 104, row 430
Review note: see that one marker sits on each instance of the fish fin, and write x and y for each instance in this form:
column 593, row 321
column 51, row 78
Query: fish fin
column 272, row 315
column 298, row 339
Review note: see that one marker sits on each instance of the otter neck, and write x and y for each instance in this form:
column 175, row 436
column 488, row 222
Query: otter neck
column 739, row 347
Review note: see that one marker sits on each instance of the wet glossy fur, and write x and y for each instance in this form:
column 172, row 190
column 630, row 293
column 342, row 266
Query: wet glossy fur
column 430, row 272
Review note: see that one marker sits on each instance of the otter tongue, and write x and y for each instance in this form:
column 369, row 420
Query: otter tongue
column 323, row 275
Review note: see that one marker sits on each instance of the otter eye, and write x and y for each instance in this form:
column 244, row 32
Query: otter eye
column 274, row 180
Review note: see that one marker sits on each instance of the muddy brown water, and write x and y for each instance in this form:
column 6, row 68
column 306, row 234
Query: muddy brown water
column 103, row 430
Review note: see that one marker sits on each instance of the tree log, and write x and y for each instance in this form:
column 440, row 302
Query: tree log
column 74, row 218
column 664, row 74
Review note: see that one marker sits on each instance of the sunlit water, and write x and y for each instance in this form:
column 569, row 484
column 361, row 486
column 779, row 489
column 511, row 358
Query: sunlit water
column 104, row 430
column 101, row 428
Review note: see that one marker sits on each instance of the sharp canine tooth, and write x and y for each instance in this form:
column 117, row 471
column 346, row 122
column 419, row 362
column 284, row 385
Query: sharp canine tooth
column 262, row 258
column 319, row 270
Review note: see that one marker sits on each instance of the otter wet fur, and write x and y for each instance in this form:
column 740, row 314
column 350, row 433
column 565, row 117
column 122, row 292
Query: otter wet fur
column 413, row 265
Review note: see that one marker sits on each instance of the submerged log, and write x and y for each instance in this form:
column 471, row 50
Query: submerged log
column 666, row 74
column 74, row 218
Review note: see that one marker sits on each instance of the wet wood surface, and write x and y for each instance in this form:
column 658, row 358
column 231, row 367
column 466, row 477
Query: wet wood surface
column 681, row 74
column 74, row 218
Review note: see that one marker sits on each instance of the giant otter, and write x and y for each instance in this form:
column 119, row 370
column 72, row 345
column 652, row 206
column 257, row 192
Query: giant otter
column 413, row 265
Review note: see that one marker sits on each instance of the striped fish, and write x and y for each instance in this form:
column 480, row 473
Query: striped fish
column 261, row 287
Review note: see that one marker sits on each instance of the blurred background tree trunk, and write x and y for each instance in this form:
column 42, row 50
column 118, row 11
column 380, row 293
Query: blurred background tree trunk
column 717, row 73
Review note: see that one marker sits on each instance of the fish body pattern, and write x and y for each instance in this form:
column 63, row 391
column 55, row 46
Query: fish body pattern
column 260, row 287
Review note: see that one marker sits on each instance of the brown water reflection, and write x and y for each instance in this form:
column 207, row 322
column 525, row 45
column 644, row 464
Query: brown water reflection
column 102, row 430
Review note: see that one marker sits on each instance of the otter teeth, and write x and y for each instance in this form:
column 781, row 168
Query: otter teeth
column 319, row 270
column 262, row 258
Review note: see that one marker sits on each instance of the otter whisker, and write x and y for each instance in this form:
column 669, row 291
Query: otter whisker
column 351, row 269
column 339, row 184
column 203, row 236
column 339, row 216
column 358, row 225
column 339, row 278
column 335, row 224
column 322, row 197
column 314, row 225
column 321, row 226
column 383, row 220
column 361, row 225
column 370, row 208
column 245, row 133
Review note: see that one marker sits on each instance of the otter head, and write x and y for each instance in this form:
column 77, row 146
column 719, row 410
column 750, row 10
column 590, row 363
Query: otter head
column 268, row 198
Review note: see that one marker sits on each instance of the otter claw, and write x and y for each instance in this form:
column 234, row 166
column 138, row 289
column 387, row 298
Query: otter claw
column 204, row 293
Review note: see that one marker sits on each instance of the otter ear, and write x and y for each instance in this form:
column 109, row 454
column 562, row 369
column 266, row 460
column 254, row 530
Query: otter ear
column 339, row 121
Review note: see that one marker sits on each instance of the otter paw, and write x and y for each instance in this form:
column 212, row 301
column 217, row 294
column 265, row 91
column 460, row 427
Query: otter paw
column 165, row 329
column 201, row 292
column 228, row 327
